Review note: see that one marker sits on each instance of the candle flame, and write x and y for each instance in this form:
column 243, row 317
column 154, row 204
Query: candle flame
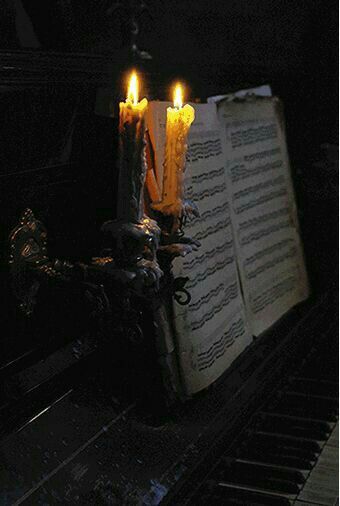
column 178, row 96
column 132, row 94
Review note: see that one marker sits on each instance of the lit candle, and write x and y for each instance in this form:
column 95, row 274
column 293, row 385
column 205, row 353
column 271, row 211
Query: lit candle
column 132, row 163
column 178, row 121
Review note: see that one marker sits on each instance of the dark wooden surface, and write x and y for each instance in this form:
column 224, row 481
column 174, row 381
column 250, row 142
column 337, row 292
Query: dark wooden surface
column 57, row 158
column 91, row 447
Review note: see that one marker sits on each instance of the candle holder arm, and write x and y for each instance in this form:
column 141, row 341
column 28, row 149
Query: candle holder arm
column 31, row 267
column 109, row 281
column 174, row 243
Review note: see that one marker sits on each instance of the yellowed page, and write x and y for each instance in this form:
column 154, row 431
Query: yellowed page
column 211, row 331
column 263, row 210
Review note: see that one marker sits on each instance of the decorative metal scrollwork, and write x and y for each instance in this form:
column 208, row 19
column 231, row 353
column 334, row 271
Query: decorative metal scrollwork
column 129, row 269
column 181, row 295
column 27, row 252
column 30, row 267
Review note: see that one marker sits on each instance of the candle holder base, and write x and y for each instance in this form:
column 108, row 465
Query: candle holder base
column 131, row 279
column 133, row 247
column 174, row 243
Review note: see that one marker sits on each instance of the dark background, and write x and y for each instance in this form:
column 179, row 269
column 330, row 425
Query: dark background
column 58, row 156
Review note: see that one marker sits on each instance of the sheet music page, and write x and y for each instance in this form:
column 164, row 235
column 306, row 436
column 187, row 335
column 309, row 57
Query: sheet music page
column 211, row 331
column 259, row 91
column 264, row 216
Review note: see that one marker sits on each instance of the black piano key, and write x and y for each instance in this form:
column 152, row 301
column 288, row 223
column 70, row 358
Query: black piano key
column 270, row 479
column 294, row 405
column 287, row 457
column 258, row 490
column 295, row 475
column 294, row 426
column 278, row 453
column 318, row 367
column 311, row 397
column 314, row 387
column 283, row 440
column 213, row 494
column 252, row 467
column 320, row 424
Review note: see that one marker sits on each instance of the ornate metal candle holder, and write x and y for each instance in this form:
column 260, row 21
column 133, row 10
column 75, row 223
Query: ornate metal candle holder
column 132, row 275
column 110, row 280
column 136, row 258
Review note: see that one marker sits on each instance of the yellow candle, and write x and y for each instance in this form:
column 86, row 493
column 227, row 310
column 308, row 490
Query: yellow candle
column 132, row 164
column 178, row 121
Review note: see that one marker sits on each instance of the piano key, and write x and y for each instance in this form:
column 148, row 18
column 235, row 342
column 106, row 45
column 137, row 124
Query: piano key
column 270, row 479
column 318, row 497
column 327, row 401
column 323, row 477
column 312, row 386
column 308, row 444
column 322, row 424
column 251, row 467
column 304, row 407
column 331, row 384
column 282, row 457
column 218, row 495
column 320, row 369
column 285, row 457
column 311, row 396
column 300, row 476
column 298, row 502
column 297, row 474
column 257, row 489
column 272, row 445
column 237, row 496
column 329, row 457
column 334, row 437
column 295, row 426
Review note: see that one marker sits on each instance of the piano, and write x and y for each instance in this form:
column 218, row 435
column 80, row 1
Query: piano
column 82, row 420
column 265, row 434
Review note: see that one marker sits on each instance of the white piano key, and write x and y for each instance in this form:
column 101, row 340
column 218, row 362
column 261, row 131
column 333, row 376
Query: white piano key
column 322, row 486
column 334, row 437
column 329, row 457
column 321, row 498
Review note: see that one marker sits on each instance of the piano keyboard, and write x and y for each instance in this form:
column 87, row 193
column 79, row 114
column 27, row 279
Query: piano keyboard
column 288, row 453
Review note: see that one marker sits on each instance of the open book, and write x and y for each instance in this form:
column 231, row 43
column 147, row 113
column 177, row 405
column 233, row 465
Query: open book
column 264, row 216
column 249, row 269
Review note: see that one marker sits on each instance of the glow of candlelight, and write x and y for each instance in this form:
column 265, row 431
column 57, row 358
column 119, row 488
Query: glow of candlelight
column 178, row 96
column 132, row 94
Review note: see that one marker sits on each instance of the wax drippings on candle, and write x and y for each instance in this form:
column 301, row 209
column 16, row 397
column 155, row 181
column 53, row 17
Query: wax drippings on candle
column 178, row 121
column 132, row 94
column 131, row 154
column 178, row 96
